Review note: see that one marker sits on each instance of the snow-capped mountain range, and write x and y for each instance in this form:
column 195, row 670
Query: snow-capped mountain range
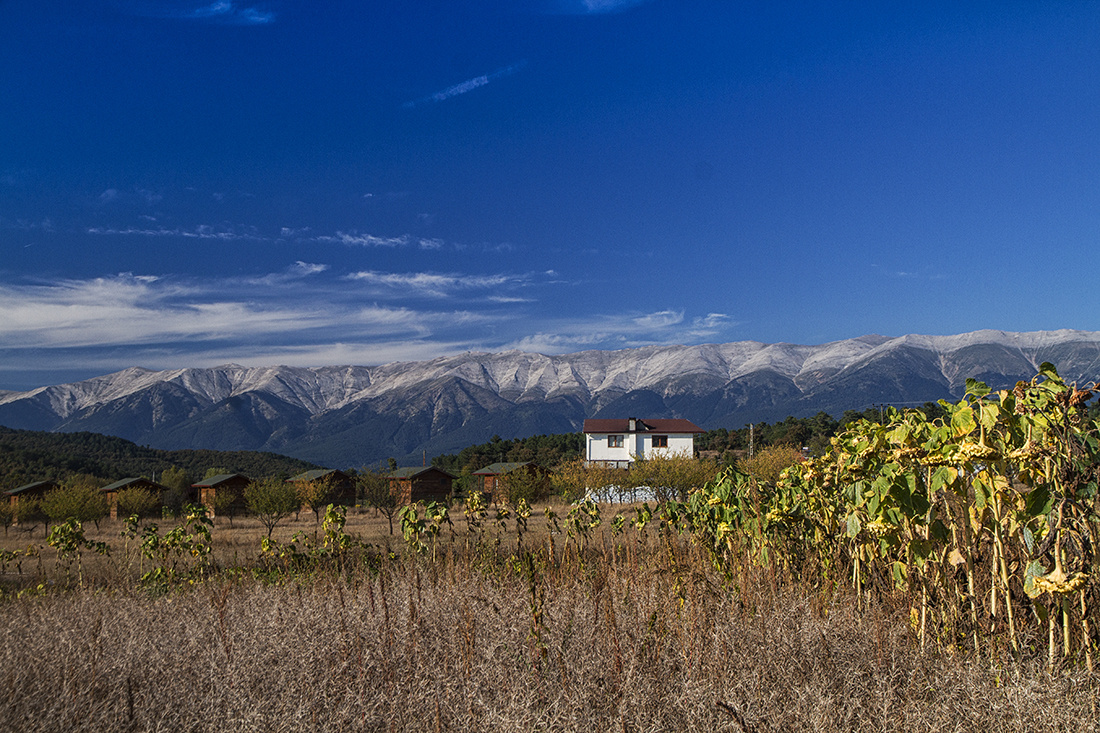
column 353, row 415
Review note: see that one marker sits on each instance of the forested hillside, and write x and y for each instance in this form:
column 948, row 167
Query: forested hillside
column 545, row 450
column 27, row 456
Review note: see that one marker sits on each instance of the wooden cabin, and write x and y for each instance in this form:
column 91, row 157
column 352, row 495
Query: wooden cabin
column 343, row 484
column 492, row 480
column 32, row 491
column 225, row 487
column 111, row 491
column 427, row 483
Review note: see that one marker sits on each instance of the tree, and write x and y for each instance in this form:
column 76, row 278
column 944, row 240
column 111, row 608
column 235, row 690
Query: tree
column 7, row 515
column 317, row 494
column 29, row 511
column 577, row 478
column 178, row 481
column 377, row 492
column 77, row 498
column 271, row 500
column 672, row 476
column 136, row 501
column 527, row 483
column 226, row 503
column 766, row 465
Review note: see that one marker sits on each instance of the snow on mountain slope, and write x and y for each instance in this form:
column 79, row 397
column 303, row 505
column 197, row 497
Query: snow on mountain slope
column 526, row 377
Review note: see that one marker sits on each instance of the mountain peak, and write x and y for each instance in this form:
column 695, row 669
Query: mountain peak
column 353, row 415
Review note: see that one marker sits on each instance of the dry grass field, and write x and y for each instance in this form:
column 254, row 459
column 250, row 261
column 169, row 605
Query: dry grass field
column 627, row 633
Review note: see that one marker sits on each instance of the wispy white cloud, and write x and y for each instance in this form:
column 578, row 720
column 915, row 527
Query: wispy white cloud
column 356, row 239
column 203, row 231
column 595, row 7
column 660, row 319
column 613, row 331
column 305, row 314
column 229, row 232
column 466, row 86
column 297, row 271
column 709, row 326
column 434, row 284
column 224, row 12
column 131, row 309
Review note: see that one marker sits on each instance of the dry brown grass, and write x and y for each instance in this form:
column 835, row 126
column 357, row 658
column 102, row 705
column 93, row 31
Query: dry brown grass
column 644, row 639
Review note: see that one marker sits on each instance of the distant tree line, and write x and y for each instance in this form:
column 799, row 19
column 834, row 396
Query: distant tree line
column 28, row 455
column 812, row 433
column 545, row 450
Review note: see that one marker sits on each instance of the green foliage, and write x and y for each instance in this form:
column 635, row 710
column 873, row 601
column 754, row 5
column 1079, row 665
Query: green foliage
column 317, row 494
column 271, row 500
column 137, row 501
column 78, row 497
column 176, row 478
column 671, row 476
column 226, row 503
column 376, row 491
column 26, row 455
column 422, row 532
column 1001, row 487
column 525, row 484
column 767, row 464
column 335, row 548
column 813, row 432
column 178, row 482
column 182, row 553
column 545, row 450
column 29, row 511
column 7, row 514
column 69, row 541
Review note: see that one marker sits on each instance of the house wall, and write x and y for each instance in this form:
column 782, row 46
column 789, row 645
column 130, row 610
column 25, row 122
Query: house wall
column 428, row 487
column 431, row 487
column 598, row 450
column 637, row 444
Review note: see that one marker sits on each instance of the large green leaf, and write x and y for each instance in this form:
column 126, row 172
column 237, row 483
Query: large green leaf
column 977, row 388
column 1048, row 370
column 962, row 421
column 853, row 525
column 1039, row 501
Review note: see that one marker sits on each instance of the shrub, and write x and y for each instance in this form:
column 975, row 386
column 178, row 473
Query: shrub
column 136, row 501
column 768, row 463
column 525, row 484
column 377, row 492
column 271, row 500
column 77, row 498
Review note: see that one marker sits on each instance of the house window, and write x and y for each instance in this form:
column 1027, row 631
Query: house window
column 660, row 441
column 614, row 441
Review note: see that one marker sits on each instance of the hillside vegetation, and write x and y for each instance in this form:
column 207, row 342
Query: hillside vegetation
column 27, row 455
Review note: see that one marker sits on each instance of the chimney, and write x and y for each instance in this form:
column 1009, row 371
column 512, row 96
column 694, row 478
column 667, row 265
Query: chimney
column 633, row 425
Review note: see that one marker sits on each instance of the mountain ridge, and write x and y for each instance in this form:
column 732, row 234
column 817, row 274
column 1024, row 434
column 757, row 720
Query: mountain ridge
column 350, row 415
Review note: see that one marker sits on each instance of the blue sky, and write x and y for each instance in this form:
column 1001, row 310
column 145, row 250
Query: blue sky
column 195, row 182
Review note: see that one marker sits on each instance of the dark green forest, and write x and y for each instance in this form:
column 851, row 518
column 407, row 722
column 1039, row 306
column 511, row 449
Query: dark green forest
column 27, row 455
column 545, row 450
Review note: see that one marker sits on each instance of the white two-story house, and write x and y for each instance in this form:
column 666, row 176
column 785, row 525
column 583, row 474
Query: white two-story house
column 619, row 442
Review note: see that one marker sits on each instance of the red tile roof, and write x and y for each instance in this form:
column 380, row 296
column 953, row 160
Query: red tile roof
column 673, row 425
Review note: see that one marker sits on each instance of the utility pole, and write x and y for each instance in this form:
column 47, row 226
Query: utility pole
column 752, row 439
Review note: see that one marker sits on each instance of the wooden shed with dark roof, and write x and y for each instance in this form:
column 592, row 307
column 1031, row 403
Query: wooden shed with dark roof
column 343, row 484
column 34, row 490
column 111, row 491
column 214, row 490
column 493, row 478
column 428, row 483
